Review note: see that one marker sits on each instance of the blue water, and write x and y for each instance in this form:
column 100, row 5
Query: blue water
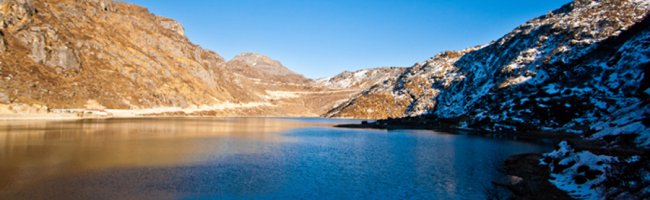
column 261, row 158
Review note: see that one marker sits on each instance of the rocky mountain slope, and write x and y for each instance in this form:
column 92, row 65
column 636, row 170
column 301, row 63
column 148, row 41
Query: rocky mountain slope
column 571, row 70
column 98, row 55
column 405, row 93
column 65, row 53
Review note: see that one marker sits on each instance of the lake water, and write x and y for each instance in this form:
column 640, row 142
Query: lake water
column 243, row 158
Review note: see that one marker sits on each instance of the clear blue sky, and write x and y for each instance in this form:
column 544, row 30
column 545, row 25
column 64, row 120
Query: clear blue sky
column 320, row 38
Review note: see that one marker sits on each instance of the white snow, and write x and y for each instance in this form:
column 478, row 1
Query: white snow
column 565, row 180
column 628, row 120
column 361, row 74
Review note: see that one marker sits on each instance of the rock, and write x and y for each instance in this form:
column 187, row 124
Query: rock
column 583, row 168
column 4, row 98
column 171, row 25
column 529, row 179
column 593, row 174
column 580, row 179
column 47, row 48
column 63, row 57
column 3, row 45
column 514, row 180
column 16, row 15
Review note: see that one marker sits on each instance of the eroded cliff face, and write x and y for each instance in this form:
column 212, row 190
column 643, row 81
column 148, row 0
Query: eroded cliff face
column 571, row 70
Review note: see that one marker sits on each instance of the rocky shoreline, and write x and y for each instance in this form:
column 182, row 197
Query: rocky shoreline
column 528, row 179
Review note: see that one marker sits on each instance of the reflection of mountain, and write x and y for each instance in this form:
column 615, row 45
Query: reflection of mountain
column 33, row 150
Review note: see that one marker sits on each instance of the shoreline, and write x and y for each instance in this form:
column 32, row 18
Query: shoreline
column 577, row 141
column 536, row 137
column 101, row 113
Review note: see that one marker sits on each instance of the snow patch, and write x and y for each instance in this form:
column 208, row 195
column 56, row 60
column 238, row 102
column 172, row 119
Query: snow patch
column 582, row 174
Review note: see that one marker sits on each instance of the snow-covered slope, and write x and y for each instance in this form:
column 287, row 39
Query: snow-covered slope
column 407, row 93
column 568, row 71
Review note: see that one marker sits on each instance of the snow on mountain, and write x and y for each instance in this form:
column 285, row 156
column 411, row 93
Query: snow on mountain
column 586, row 175
column 360, row 78
column 566, row 71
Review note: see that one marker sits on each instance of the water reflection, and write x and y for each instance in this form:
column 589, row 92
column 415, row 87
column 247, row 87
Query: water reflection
column 30, row 150
column 241, row 158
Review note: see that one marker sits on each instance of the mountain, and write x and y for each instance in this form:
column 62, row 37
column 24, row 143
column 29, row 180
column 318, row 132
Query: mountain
column 407, row 93
column 70, row 52
column 578, row 69
column 99, row 57
column 361, row 78
column 263, row 68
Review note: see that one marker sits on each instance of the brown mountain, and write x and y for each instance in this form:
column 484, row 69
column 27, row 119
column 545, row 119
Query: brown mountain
column 67, row 56
column 65, row 53
column 264, row 69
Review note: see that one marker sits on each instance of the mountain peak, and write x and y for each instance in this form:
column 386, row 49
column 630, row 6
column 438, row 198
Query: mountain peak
column 255, row 58
column 261, row 63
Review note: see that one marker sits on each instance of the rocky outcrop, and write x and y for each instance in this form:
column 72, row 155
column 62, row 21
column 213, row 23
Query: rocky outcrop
column 171, row 25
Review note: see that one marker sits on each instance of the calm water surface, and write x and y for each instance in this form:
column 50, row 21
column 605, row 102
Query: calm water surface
column 242, row 158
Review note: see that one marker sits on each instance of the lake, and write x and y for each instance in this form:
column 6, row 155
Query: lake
column 243, row 158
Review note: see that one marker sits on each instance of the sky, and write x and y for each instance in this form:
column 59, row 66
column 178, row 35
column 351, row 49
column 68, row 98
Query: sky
column 320, row 38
